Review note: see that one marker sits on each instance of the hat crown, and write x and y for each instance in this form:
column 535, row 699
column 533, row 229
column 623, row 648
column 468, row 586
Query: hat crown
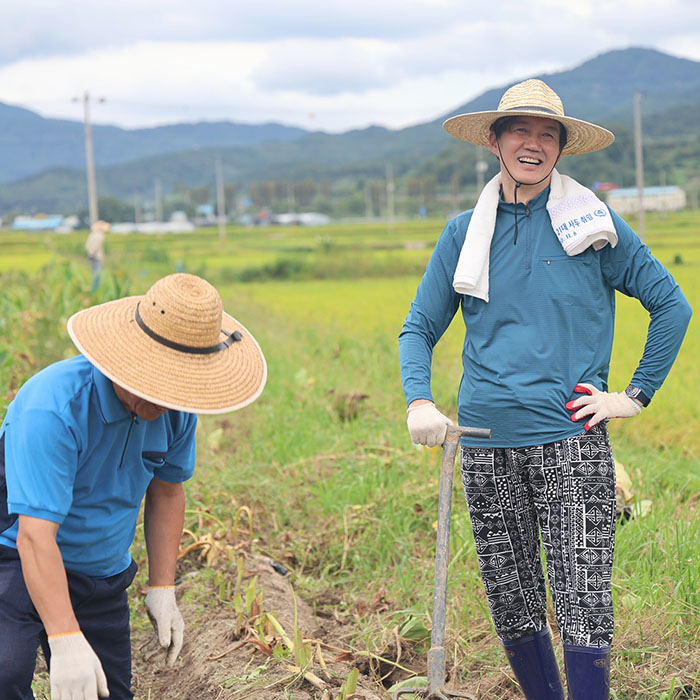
column 530, row 98
column 184, row 309
column 531, row 95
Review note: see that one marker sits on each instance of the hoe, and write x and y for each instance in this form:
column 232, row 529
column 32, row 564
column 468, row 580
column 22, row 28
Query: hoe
column 436, row 654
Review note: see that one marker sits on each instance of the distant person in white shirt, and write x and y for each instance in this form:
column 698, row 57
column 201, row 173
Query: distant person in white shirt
column 95, row 247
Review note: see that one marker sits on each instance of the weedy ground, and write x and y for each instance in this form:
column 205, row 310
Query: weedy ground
column 318, row 477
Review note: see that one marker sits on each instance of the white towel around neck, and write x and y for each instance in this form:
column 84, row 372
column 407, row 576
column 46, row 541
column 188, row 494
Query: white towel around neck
column 578, row 217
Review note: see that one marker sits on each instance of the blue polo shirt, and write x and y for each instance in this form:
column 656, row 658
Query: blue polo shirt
column 75, row 456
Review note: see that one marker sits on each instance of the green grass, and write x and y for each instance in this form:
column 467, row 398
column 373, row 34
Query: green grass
column 349, row 505
column 360, row 501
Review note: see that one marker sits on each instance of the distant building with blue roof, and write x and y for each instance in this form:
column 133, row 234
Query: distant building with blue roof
column 38, row 223
column 626, row 200
column 205, row 210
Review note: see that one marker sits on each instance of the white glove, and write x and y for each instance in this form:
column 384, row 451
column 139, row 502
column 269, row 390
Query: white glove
column 166, row 619
column 76, row 672
column 601, row 405
column 426, row 425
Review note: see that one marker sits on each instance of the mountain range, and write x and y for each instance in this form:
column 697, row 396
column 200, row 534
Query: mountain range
column 42, row 167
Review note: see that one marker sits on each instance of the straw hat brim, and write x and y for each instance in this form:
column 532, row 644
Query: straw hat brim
column 582, row 136
column 110, row 338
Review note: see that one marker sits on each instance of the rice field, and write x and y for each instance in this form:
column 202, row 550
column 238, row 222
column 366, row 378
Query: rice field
column 337, row 491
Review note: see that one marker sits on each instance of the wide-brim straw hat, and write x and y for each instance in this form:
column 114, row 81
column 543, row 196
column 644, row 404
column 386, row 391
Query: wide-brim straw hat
column 531, row 98
column 174, row 347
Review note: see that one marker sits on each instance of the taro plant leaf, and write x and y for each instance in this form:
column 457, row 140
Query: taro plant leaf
column 414, row 629
column 348, row 688
column 250, row 593
column 418, row 682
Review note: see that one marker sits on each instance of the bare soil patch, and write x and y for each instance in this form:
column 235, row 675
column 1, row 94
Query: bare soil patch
column 217, row 663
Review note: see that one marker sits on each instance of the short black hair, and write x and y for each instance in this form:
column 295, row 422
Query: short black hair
column 501, row 124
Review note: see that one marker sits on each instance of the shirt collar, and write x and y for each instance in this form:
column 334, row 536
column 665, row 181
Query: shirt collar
column 537, row 202
column 110, row 406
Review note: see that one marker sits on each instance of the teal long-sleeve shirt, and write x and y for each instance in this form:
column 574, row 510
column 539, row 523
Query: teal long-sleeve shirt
column 547, row 326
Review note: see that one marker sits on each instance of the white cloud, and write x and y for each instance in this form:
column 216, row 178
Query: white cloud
column 146, row 78
column 349, row 62
column 46, row 27
column 327, row 67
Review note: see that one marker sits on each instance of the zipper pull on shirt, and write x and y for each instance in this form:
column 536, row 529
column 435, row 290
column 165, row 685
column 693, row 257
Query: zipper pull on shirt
column 134, row 420
column 515, row 212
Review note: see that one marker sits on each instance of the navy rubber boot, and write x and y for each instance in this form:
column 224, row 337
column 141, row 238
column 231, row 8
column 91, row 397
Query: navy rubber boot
column 533, row 662
column 587, row 672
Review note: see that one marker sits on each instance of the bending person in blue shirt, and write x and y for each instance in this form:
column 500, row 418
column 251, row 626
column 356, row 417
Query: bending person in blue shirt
column 83, row 443
column 534, row 268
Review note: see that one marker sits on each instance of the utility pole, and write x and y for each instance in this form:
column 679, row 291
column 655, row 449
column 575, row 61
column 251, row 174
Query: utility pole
column 639, row 162
column 369, row 212
column 220, row 200
column 89, row 159
column 390, row 195
column 159, row 201
column 481, row 168
column 455, row 187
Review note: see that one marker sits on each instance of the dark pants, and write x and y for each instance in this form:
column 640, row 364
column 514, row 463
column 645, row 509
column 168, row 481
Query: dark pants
column 102, row 609
column 565, row 492
column 95, row 271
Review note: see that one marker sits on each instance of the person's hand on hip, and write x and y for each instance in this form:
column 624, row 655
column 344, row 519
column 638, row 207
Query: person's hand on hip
column 76, row 672
column 426, row 425
column 166, row 619
column 601, row 405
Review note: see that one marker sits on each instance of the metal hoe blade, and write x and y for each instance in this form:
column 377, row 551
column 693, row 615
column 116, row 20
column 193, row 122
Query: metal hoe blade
column 436, row 654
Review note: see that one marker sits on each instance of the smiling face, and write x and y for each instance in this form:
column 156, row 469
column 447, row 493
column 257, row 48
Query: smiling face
column 528, row 148
column 138, row 406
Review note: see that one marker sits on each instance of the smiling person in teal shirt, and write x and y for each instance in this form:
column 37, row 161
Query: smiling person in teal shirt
column 534, row 269
column 84, row 442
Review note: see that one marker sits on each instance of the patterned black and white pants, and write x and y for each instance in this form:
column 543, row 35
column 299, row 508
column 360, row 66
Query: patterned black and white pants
column 565, row 492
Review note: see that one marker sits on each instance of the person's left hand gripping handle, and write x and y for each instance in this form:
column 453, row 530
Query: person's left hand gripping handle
column 166, row 619
column 76, row 672
column 426, row 425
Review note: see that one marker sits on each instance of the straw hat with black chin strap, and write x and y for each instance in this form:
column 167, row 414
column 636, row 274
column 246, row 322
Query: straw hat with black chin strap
column 531, row 98
column 174, row 347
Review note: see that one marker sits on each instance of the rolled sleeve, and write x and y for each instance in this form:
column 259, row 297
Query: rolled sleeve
column 41, row 459
column 179, row 462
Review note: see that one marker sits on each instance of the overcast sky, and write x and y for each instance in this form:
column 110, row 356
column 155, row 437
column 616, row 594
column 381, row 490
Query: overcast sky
column 331, row 65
